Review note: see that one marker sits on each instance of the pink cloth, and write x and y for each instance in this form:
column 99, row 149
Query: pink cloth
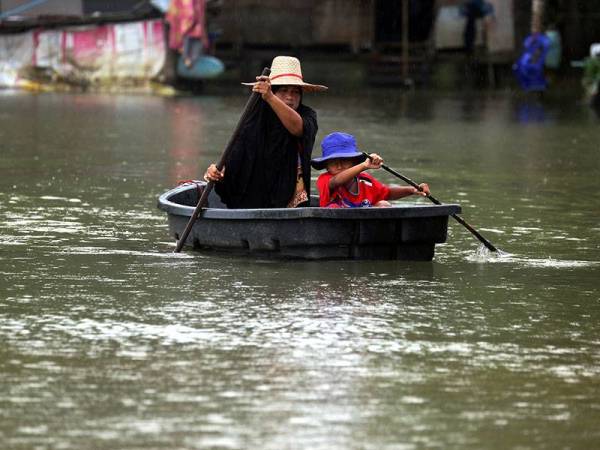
column 91, row 45
column 186, row 18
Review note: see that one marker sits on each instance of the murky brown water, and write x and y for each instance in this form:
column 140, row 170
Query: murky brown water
column 109, row 340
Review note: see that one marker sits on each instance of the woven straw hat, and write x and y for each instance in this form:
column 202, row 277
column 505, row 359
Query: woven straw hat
column 286, row 71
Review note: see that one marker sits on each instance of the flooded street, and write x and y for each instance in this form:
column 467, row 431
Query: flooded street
column 109, row 340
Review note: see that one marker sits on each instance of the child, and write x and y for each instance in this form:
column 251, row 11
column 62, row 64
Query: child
column 346, row 184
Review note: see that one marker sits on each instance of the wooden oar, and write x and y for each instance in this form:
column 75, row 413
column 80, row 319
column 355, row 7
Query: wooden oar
column 252, row 101
column 459, row 219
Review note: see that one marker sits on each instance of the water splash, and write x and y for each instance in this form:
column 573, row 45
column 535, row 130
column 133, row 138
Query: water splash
column 483, row 254
column 555, row 263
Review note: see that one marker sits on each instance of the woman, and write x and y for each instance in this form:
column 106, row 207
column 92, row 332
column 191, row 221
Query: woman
column 269, row 164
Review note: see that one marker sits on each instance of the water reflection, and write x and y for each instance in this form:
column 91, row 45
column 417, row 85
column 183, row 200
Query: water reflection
column 186, row 127
column 531, row 112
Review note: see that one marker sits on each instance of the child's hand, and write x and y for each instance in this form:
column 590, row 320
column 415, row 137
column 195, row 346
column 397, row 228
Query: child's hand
column 374, row 161
column 424, row 190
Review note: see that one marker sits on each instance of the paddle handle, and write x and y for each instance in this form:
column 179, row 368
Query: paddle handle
column 459, row 219
column 248, row 109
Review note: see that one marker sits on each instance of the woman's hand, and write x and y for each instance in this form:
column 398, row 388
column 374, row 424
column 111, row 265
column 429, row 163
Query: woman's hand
column 263, row 87
column 213, row 174
column 374, row 161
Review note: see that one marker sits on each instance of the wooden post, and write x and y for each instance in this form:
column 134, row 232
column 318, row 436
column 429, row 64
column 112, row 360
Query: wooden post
column 537, row 15
column 405, row 44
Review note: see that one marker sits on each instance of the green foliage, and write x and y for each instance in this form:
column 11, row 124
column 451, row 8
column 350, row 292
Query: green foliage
column 591, row 73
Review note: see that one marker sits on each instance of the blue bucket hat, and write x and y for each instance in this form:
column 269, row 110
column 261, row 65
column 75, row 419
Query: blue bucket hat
column 337, row 145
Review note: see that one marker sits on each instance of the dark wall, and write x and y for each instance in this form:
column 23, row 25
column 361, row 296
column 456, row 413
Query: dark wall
column 111, row 6
column 579, row 23
column 388, row 20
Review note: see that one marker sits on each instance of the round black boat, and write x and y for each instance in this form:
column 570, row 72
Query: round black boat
column 404, row 232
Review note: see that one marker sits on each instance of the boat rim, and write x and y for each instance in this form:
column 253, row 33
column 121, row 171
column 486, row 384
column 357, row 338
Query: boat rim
column 402, row 210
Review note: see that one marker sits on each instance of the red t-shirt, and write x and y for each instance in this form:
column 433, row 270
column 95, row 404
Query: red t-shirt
column 370, row 191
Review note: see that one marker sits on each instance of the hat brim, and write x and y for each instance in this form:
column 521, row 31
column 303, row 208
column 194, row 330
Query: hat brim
column 320, row 163
column 306, row 87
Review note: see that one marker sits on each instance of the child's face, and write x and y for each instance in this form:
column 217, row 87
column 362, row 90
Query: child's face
column 338, row 165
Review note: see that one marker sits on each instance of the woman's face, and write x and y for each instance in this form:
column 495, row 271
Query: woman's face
column 290, row 95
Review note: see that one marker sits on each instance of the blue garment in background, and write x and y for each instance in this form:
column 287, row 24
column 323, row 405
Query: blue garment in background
column 529, row 68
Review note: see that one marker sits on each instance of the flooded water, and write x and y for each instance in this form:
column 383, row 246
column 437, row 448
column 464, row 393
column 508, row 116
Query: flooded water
column 109, row 340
